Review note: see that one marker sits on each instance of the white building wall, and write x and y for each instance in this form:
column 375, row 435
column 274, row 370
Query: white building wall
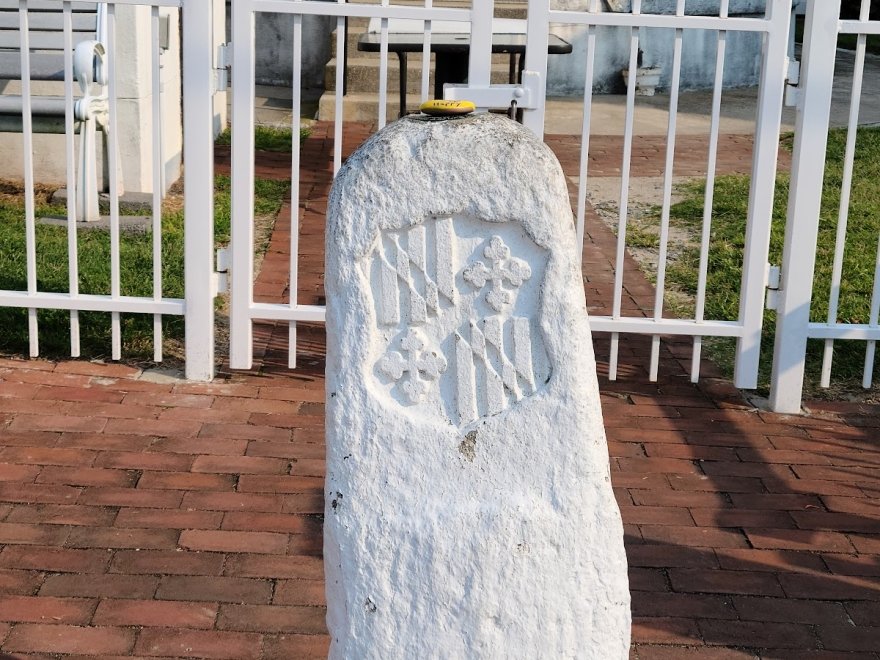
column 566, row 73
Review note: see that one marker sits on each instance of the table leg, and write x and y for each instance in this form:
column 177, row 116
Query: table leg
column 345, row 61
column 522, row 65
column 401, row 57
column 450, row 68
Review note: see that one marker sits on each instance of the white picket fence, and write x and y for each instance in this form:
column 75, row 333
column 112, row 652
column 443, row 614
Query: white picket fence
column 200, row 75
column 198, row 71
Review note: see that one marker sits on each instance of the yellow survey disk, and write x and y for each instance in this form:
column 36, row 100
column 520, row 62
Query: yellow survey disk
column 441, row 107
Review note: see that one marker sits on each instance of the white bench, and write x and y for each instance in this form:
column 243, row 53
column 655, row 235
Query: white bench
column 45, row 62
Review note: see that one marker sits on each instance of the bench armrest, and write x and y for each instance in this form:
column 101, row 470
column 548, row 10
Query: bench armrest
column 88, row 64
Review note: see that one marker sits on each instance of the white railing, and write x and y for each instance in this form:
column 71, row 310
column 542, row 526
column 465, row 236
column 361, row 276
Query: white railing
column 197, row 305
column 243, row 309
column 199, row 61
column 747, row 328
column 794, row 326
column 774, row 28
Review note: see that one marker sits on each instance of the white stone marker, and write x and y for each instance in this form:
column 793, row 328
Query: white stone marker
column 469, row 505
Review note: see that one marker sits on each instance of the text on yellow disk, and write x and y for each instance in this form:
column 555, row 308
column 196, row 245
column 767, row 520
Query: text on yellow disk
column 441, row 107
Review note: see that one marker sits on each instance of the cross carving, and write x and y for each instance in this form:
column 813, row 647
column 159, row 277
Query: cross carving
column 504, row 268
column 420, row 366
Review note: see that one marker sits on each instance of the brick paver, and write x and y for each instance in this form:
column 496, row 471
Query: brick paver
column 140, row 519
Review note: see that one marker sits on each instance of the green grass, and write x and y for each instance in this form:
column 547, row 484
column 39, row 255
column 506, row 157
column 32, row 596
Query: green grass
column 268, row 138
column 726, row 252
column 93, row 249
column 638, row 236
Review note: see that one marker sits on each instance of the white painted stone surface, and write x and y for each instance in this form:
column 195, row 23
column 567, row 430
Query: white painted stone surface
column 469, row 505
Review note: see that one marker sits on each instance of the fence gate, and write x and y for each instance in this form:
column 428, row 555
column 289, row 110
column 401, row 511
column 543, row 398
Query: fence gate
column 669, row 17
column 794, row 326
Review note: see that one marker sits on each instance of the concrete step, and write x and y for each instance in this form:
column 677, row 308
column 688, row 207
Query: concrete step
column 356, row 27
column 360, row 106
column 363, row 73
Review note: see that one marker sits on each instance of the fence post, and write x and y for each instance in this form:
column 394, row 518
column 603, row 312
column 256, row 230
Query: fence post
column 241, row 327
column 804, row 205
column 198, row 205
column 536, row 60
column 760, row 214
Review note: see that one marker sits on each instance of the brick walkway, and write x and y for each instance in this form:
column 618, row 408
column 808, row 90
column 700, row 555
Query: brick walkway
column 143, row 519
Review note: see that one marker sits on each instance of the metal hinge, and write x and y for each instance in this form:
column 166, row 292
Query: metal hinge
column 792, row 82
column 221, row 73
column 793, row 71
column 526, row 95
column 773, row 278
column 221, row 277
column 164, row 32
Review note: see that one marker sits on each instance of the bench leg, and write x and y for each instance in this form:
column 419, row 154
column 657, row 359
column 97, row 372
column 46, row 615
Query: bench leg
column 87, row 209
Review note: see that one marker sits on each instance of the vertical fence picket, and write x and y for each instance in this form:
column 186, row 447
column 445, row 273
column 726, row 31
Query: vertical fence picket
column 340, row 83
column 583, row 165
column 426, row 59
column 623, row 207
column 480, row 59
column 660, row 288
column 242, row 239
column 537, row 37
column 296, row 85
column 804, row 203
column 845, row 193
column 158, row 167
column 761, row 192
column 113, row 169
column 383, row 70
column 874, row 317
column 871, row 347
column 708, row 202
column 27, row 135
column 70, row 156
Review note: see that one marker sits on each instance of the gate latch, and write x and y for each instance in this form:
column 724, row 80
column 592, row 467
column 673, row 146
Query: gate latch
column 526, row 94
column 772, row 287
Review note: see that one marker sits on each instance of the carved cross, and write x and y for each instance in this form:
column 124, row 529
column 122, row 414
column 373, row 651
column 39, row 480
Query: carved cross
column 421, row 367
column 503, row 268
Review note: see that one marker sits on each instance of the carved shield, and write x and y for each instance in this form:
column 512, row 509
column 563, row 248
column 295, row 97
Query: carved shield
column 456, row 309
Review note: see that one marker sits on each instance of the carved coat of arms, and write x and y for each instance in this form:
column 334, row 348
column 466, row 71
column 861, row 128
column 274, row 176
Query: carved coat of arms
column 457, row 303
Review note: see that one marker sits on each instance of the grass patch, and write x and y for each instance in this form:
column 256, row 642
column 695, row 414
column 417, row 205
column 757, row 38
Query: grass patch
column 93, row 251
column 268, row 138
column 638, row 236
column 726, row 254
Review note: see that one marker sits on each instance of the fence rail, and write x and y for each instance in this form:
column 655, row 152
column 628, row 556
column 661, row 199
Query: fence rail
column 199, row 61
